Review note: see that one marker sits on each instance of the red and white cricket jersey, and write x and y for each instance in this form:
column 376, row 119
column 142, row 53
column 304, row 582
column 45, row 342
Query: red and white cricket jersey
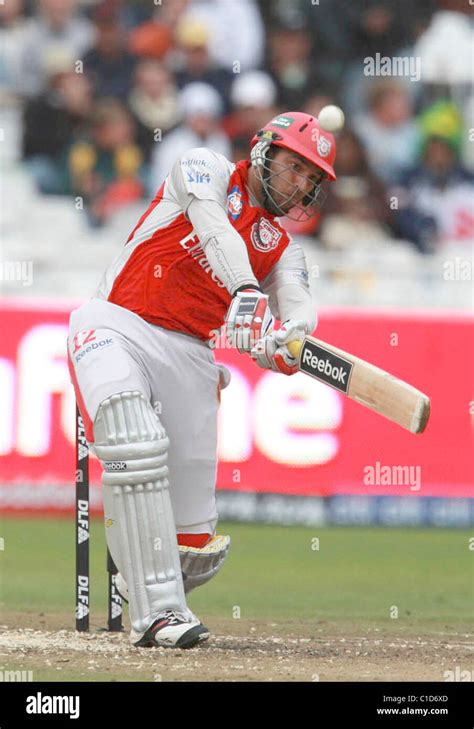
column 163, row 274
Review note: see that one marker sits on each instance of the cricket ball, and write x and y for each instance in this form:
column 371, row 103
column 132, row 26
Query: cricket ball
column 331, row 118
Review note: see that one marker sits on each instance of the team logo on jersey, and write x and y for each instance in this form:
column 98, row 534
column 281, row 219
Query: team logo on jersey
column 265, row 237
column 234, row 202
column 324, row 146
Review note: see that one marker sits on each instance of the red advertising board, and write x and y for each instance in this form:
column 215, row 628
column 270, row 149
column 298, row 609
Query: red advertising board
column 289, row 435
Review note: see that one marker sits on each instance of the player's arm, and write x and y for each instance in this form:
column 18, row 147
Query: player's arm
column 224, row 248
column 287, row 286
column 290, row 299
column 204, row 203
column 249, row 317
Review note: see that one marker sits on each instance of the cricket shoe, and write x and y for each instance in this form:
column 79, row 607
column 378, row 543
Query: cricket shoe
column 172, row 629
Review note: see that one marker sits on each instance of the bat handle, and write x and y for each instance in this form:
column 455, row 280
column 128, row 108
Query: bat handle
column 295, row 347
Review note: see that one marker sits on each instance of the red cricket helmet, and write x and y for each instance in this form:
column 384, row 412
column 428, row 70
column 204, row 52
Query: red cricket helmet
column 299, row 133
column 302, row 134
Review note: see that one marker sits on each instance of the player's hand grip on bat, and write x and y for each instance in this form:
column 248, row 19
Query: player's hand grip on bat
column 272, row 352
column 248, row 319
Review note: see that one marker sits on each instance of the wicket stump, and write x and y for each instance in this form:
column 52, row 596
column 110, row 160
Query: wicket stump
column 114, row 622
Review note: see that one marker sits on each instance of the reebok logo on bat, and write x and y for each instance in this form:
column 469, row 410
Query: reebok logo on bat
column 325, row 366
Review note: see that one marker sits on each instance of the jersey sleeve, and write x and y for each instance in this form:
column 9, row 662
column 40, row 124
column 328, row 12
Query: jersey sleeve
column 287, row 286
column 202, row 174
column 224, row 248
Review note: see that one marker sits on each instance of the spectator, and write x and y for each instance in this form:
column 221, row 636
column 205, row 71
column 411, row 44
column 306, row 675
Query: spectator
column 108, row 64
column 12, row 28
column 155, row 37
column 134, row 14
column 385, row 27
column 445, row 48
column 236, row 30
column 192, row 39
column 201, row 107
column 435, row 197
column 107, row 171
column 57, row 27
column 356, row 211
column 388, row 131
column 253, row 97
column 380, row 28
column 53, row 120
column 331, row 26
column 154, row 103
column 291, row 65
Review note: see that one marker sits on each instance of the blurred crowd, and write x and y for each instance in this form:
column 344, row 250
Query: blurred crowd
column 110, row 92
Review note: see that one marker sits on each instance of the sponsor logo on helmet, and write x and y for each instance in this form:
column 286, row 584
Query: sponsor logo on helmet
column 323, row 146
column 265, row 237
column 283, row 121
column 234, row 203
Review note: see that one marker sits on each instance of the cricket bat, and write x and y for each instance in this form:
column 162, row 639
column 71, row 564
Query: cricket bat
column 369, row 385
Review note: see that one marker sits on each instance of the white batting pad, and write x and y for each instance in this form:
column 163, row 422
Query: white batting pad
column 133, row 446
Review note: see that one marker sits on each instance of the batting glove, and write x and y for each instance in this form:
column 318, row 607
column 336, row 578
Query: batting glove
column 272, row 354
column 248, row 319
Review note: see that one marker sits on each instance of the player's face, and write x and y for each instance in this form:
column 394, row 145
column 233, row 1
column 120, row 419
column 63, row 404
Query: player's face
column 292, row 179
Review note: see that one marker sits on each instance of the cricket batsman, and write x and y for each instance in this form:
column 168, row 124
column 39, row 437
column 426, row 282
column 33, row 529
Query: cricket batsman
column 209, row 251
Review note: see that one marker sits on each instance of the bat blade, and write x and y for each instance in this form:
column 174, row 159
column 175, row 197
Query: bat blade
column 363, row 382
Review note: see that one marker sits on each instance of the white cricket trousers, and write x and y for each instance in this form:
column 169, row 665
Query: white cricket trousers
column 113, row 350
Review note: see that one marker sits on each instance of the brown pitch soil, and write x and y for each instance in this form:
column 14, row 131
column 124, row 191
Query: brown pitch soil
column 238, row 650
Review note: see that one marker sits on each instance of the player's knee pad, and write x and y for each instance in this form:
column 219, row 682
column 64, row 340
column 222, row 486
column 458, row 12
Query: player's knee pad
column 133, row 447
column 200, row 564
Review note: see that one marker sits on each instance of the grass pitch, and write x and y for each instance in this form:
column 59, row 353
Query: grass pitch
column 290, row 602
